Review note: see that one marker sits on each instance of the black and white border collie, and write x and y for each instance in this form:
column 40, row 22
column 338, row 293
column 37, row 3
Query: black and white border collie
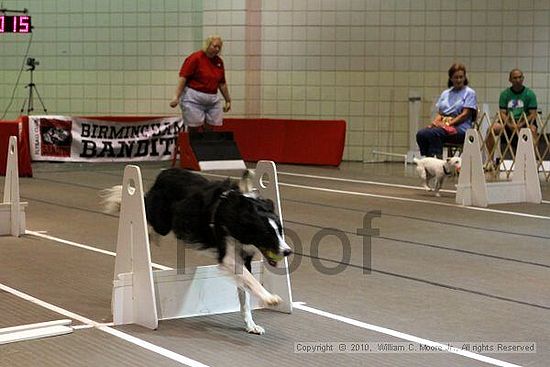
column 210, row 213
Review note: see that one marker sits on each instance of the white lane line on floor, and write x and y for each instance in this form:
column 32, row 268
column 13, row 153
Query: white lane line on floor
column 107, row 329
column 506, row 212
column 421, row 201
column 404, row 336
column 376, row 183
column 152, row 347
column 88, row 326
column 352, row 180
column 301, row 306
column 42, row 234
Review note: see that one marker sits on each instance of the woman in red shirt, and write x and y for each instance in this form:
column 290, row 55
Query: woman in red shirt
column 200, row 77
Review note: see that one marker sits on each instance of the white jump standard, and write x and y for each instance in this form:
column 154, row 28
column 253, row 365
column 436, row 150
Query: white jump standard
column 524, row 186
column 143, row 296
column 12, row 211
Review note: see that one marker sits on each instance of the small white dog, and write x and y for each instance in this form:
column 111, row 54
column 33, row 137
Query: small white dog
column 429, row 168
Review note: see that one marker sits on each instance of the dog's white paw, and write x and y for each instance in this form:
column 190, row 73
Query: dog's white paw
column 427, row 188
column 255, row 329
column 437, row 194
column 272, row 300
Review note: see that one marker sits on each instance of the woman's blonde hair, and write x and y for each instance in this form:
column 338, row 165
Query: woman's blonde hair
column 209, row 40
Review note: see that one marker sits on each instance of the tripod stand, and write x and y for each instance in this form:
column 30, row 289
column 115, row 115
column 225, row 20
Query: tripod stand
column 32, row 88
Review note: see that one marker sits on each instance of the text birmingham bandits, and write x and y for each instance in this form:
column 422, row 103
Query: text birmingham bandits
column 120, row 142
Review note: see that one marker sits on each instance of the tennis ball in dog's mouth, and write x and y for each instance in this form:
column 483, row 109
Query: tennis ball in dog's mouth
column 273, row 256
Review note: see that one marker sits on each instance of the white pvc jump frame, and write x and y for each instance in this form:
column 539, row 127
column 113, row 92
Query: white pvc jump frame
column 524, row 186
column 12, row 210
column 143, row 296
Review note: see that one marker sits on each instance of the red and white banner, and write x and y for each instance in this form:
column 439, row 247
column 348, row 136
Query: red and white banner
column 105, row 139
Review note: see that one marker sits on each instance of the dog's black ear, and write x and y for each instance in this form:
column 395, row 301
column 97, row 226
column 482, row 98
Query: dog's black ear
column 245, row 201
column 270, row 205
column 264, row 205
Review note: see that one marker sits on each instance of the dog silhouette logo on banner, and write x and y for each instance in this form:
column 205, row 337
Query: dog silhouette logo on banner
column 56, row 137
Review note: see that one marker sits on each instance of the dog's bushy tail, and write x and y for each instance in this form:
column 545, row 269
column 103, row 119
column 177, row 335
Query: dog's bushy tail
column 416, row 160
column 111, row 199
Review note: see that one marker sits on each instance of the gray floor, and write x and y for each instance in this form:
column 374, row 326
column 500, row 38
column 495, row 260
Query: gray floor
column 437, row 271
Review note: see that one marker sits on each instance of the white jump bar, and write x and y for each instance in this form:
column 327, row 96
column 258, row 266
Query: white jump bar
column 35, row 331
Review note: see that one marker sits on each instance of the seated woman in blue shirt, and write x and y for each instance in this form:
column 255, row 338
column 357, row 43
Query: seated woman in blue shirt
column 457, row 107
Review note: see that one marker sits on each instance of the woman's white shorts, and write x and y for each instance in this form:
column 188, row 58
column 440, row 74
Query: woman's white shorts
column 198, row 107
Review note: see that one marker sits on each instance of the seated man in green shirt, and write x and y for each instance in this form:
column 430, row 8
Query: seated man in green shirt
column 514, row 101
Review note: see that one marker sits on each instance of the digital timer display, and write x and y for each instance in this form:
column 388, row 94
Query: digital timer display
column 15, row 24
